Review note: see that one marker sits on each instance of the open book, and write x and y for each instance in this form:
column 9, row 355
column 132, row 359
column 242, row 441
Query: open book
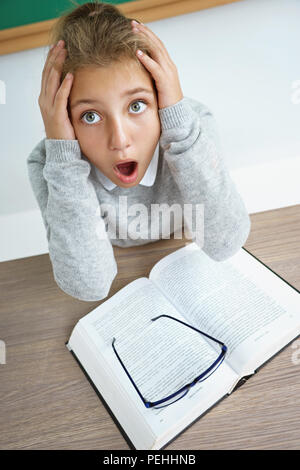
column 239, row 301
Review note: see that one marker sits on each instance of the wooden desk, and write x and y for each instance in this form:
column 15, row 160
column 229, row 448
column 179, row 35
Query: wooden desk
column 46, row 400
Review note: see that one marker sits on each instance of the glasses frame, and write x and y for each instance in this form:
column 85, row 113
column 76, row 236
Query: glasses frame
column 219, row 360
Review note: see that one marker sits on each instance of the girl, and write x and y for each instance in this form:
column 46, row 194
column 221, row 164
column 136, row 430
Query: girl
column 119, row 132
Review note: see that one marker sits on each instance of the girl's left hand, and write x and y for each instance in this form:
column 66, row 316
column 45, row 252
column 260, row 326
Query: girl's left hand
column 161, row 67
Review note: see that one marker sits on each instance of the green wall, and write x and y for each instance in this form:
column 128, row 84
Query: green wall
column 21, row 12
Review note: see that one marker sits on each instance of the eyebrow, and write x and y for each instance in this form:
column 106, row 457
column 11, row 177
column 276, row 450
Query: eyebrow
column 126, row 93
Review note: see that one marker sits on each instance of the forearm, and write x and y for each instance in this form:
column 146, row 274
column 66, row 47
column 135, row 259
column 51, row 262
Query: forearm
column 35, row 167
column 83, row 262
column 192, row 151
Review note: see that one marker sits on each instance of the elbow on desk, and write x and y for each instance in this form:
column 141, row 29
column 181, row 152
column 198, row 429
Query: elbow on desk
column 83, row 291
column 225, row 245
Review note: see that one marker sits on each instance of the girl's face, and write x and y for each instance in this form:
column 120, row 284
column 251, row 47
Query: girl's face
column 116, row 125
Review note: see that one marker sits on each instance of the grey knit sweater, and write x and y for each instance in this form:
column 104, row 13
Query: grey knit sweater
column 83, row 219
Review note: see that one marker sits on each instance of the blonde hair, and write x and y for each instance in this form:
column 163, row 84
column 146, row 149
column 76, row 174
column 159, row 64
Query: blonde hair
column 96, row 34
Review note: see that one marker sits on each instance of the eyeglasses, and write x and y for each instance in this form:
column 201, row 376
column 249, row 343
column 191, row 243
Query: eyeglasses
column 184, row 390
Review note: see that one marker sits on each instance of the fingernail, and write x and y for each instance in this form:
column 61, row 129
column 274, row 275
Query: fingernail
column 135, row 23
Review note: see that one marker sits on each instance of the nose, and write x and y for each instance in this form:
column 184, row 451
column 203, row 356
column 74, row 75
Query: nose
column 119, row 139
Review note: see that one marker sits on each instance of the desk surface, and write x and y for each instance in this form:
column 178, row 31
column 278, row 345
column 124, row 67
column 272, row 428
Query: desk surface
column 46, row 400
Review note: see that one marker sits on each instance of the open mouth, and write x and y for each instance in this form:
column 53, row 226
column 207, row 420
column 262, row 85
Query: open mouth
column 126, row 168
column 127, row 172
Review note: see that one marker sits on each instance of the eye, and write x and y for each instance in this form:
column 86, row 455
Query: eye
column 138, row 101
column 90, row 114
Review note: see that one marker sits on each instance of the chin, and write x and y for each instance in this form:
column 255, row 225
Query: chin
column 129, row 185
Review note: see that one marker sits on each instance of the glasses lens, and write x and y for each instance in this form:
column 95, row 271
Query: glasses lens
column 171, row 400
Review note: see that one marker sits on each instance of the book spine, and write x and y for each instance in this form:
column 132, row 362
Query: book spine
column 241, row 382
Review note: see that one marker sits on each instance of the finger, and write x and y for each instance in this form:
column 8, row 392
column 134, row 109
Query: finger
column 53, row 63
column 157, row 47
column 151, row 65
column 61, row 97
column 44, row 68
column 54, row 77
column 142, row 27
column 52, row 54
column 157, row 42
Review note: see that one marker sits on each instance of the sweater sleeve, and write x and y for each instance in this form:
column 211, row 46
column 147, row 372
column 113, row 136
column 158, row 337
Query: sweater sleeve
column 79, row 247
column 192, row 150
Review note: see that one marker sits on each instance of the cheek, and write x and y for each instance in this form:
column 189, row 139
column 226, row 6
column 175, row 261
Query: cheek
column 151, row 121
column 155, row 124
column 87, row 135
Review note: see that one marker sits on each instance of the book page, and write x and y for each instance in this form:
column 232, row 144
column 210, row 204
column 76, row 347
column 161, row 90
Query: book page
column 146, row 427
column 237, row 301
column 161, row 356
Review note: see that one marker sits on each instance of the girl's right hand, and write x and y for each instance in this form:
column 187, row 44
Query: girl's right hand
column 53, row 99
